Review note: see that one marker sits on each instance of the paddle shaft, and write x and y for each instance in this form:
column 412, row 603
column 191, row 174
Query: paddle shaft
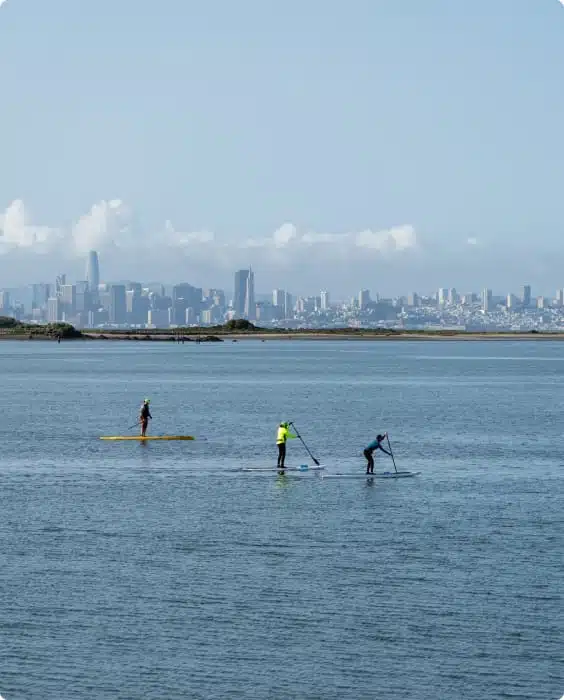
column 391, row 452
column 133, row 426
column 307, row 448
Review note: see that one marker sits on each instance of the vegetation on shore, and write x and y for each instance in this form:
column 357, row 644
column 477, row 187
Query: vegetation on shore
column 9, row 327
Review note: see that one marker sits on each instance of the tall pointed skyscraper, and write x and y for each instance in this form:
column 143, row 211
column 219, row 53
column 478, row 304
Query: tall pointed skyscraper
column 93, row 272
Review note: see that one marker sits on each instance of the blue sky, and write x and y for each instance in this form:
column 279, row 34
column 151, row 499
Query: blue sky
column 421, row 124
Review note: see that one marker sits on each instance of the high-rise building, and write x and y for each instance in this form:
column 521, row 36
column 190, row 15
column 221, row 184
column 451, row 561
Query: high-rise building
column 185, row 296
column 486, row 300
column 244, row 294
column 278, row 298
column 60, row 282
column 136, row 306
column 53, row 310
column 191, row 296
column 67, row 299
column 560, row 297
column 136, row 287
column 117, row 306
column 82, row 300
column 325, row 306
column 250, row 304
column 288, row 305
column 93, row 272
column 39, row 295
column 240, row 292
column 527, row 295
column 442, row 296
column 363, row 299
column 452, row 297
column 4, row 300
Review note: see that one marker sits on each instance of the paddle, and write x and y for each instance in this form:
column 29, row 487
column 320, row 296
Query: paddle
column 391, row 452
column 307, row 448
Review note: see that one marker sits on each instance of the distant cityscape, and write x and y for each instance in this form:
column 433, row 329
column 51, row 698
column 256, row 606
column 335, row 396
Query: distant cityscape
column 90, row 303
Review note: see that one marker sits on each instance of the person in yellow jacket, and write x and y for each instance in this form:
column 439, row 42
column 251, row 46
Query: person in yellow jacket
column 282, row 436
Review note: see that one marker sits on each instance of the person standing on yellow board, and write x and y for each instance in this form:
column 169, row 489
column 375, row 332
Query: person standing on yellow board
column 282, row 436
column 144, row 417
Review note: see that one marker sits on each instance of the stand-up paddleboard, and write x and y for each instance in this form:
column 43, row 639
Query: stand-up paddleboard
column 376, row 475
column 147, row 437
column 301, row 468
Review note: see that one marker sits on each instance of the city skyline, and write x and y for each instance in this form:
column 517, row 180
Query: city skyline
column 243, row 297
column 96, row 302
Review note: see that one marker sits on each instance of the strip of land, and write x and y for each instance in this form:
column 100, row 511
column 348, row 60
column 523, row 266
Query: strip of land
column 241, row 330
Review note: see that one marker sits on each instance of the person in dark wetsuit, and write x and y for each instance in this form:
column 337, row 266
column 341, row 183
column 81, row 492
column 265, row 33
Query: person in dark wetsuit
column 144, row 417
column 374, row 445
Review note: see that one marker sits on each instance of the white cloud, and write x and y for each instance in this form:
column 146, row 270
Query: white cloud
column 394, row 239
column 171, row 237
column 397, row 238
column 16, row 232
column 110, row 227
column 284, row 235
column 105, row 224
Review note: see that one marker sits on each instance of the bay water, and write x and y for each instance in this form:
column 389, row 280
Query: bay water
column 158, row 570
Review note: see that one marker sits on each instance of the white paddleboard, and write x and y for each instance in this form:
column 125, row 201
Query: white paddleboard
column 301, row 468
column 376, row 475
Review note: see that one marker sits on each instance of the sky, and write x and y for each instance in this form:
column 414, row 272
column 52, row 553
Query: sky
column 394, row 145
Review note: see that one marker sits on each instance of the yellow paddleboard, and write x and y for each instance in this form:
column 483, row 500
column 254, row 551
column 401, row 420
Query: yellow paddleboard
column 148, row 437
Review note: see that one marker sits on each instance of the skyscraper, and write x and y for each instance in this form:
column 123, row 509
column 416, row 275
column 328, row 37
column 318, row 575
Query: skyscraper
column 278, row 297
column 250, row 304
column 118, row 305
column 527, row 295
column 67, row 299
column 53, row 310
column 244, row 294
column 60, row 282
column 93, row 272
column 363, row 298
column 486, row 300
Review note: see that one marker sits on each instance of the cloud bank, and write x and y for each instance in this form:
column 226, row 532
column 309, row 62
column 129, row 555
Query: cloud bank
column 393, row 260
column 111, row 225
column 111, row 228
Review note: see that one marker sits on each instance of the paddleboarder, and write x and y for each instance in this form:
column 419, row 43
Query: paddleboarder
column 144, row 416
column 370, row 449
column 282, row 436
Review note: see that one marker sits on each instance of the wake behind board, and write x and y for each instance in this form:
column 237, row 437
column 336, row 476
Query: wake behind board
column 376, row 475
column 147, row 437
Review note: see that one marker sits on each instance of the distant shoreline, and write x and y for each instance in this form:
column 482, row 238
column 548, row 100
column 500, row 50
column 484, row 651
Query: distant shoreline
column 289, row 336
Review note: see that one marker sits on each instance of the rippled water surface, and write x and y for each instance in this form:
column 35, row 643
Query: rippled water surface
column 159, row 571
